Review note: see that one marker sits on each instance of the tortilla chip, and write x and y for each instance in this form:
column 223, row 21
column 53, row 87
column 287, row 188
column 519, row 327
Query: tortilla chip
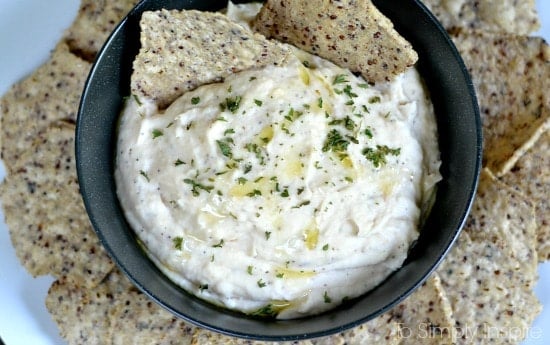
column 519, row 17
column 50, row 94
column 381, row 330
column 113, row 312
column 173, row 59
column 531, row 176
column 137, row 320
column 511, row 75
column 426, row 317
column 205, row 337
column 492, row 300
column 95, row 21
column 352, row 34
column 83, row 316
column 505, row 218
column 45, row 214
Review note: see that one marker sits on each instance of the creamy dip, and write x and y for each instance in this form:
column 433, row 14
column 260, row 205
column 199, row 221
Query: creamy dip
column 280, row 191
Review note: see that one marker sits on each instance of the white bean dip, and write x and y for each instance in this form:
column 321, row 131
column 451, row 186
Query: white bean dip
column 280, row 191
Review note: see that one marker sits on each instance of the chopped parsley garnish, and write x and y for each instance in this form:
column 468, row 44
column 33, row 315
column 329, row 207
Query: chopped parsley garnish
column 326, row 297
column 136, row 98
column 232, row 104
column 195, row 100
column 144, row 174
column 335, row 142
column 219, row 244
column 303, row 203
column 340, row 78
column 257, row 150
column 254, row 193
column 157, row 133
column 225, row 148
column 378, row 156
column 266, row 311
column 178, row 241
column 347, row 122
column 196, row 187
column 258, row 102
column 229, row 131
column 203, row 287
column 368, row 133
column 178, row 162
column 249, row 269
column 320, row 102
column 261, row 283
column 325, row 247
column 374, row 99
column 293, row 114
column 267, row 235
column 347, row 90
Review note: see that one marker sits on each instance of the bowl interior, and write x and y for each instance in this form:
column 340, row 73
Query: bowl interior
column 459, row 139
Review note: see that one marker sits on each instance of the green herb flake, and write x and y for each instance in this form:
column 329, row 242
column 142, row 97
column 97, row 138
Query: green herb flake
column 325, row 247
column 261, row 283
column 203, row 287
column 374, row 99
column 136, row 98
column 255, row 192
column 225, row 148
column 258, row 102
column 157, row 133
column 144, row 174
column 249, row 269
column 219, row 244
column 335, row 142
column 340, row 78
column 195, row 100
column 247, row 168
column 178, row 162
column 368, row 133
column 348, row 91
column 303, row 203
column 320, row 102
column 267, row 235
column 196, row 187
column 347, row 122
column 363, row 85
column 267, row 311
column 326, row 297
column 378, row 156
column 231, row 103
column 229, row 131
column 178, row 242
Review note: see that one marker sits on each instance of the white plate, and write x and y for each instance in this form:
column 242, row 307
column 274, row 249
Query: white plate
column 28, row 31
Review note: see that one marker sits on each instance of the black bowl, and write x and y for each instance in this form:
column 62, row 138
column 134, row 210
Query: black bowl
column 459, row 139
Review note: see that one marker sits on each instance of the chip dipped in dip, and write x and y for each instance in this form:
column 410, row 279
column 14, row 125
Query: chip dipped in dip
column 283, row 190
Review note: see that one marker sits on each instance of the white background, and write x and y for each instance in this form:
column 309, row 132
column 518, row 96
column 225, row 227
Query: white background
column 29, row 29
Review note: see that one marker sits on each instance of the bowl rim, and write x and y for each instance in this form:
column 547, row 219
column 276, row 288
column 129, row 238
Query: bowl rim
column 88, row 158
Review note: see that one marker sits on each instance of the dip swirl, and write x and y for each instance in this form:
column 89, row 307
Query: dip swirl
column 280, row 191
